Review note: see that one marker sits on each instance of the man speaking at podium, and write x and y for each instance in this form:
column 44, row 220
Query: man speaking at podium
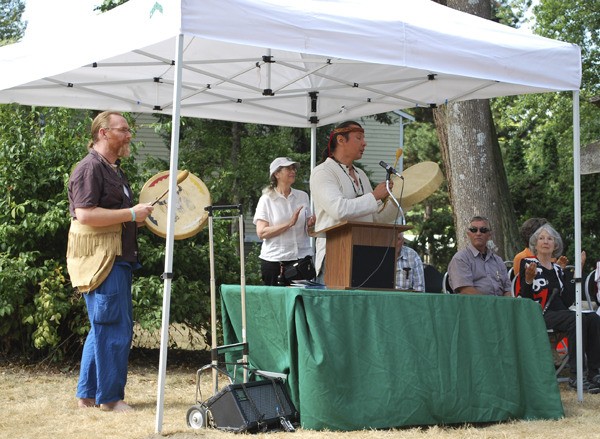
column 341, row 191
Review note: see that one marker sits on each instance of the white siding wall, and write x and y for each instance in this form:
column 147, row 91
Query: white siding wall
column 382, row 143
column 151, row 143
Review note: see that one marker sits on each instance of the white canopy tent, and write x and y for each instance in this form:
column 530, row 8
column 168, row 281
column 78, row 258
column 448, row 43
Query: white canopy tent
column 267, row 56
column 284, row 62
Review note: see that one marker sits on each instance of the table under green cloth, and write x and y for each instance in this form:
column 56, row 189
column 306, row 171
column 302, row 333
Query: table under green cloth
column 383, row 359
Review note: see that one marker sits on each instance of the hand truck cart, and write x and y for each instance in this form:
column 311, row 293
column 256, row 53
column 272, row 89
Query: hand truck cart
column 242, row 406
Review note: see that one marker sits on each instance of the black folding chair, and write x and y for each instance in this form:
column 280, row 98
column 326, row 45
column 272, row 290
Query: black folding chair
column 433, row 279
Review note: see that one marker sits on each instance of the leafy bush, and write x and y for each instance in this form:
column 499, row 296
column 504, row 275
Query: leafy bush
column 37, row 151
column 40, row 313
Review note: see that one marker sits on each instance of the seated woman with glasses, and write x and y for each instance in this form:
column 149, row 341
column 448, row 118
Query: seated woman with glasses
column 542, row 280
column 477, row 269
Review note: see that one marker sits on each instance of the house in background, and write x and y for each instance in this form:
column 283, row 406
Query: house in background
column 382, row 143
column 153, row 144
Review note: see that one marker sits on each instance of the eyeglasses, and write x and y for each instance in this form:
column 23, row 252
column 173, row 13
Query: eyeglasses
column 481, row 229
column 123, row 130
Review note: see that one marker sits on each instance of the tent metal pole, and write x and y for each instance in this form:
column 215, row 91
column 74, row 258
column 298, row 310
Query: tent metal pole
column 313, row 146
column 314, row 120
column 268, row 71
column 578, row 268
column 243, row 291
column 313, row 162
column 213, row 302
column 168, row 274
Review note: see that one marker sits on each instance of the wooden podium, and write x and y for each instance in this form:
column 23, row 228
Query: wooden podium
column 361, row 255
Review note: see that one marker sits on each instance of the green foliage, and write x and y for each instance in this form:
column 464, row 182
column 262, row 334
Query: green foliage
column 38, row 148
column 577, row 22
column 52, row 302
column 37, row 151
column 11, row 26
column 510, row 12
column 16, row 280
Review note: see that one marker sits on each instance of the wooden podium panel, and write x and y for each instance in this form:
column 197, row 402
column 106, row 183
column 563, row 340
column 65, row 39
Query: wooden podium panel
column 356, row 247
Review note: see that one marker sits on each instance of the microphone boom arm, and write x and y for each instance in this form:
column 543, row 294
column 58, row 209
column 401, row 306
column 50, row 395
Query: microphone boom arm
column 387, row 186
column 391, row 171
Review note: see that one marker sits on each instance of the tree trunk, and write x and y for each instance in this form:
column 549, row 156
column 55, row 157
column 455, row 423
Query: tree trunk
column 477, row 182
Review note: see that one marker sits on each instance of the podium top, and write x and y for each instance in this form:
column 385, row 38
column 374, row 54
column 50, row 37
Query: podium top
column 398, row 227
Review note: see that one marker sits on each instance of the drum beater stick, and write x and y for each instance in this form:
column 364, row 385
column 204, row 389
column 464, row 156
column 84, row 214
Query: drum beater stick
column 180, row 177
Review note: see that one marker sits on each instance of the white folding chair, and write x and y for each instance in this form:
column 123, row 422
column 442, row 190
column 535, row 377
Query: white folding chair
column 446, row 284
column 591, row 287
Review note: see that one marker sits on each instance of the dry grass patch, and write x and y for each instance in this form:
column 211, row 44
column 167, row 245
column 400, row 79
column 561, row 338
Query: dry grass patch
column 40, row 404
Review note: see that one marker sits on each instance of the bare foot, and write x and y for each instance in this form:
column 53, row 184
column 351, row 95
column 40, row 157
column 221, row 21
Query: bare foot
column 117, row 406
column 84, row 403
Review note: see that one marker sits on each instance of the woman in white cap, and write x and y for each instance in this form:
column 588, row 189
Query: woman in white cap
column 282, row 218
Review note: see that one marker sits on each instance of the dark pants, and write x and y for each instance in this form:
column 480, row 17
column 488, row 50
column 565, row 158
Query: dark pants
column 565, row 321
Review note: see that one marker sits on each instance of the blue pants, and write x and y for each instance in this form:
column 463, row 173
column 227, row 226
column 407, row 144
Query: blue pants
column 103, row 370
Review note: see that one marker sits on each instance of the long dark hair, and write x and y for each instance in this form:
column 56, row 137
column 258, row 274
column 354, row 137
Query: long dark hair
column 342, row 130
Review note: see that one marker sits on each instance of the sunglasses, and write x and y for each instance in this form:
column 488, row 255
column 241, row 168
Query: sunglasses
column 481, row 229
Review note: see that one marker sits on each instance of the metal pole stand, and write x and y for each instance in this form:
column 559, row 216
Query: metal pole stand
column 243, row 346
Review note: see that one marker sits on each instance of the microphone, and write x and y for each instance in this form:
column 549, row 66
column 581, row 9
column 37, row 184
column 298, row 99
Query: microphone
column 552, row 296
column 389, row 169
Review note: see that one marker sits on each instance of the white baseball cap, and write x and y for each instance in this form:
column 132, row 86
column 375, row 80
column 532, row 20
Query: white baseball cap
column 281, row 162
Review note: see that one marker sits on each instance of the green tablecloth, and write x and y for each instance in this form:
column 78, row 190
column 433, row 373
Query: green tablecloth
column 375, row 359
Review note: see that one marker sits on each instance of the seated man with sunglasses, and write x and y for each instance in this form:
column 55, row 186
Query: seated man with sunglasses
column 477, row 269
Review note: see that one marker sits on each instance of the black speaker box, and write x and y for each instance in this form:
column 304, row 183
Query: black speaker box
column 253, row 406
column 373, row 267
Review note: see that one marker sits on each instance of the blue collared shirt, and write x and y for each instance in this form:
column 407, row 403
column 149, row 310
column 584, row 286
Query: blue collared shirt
column 409, row 270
